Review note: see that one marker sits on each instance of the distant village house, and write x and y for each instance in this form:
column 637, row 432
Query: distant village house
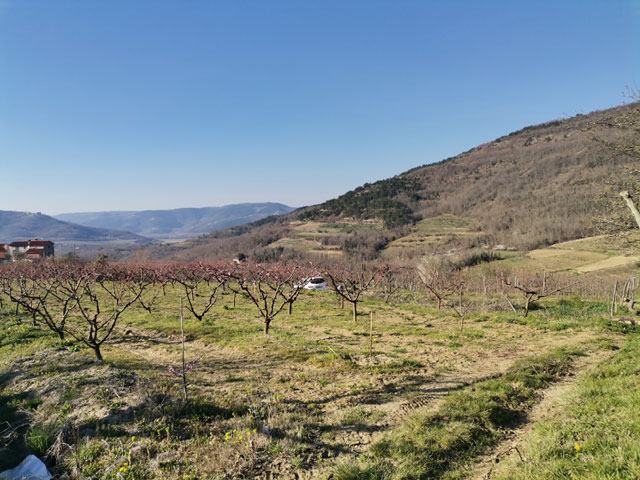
column 27, row 250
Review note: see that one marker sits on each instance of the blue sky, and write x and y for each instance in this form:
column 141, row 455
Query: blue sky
column 119, row 104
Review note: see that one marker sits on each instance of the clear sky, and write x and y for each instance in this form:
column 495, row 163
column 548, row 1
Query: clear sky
column 121, row 104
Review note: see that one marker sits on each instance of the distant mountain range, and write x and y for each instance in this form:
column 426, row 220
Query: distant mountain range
column 179, row 223
column 24, row 225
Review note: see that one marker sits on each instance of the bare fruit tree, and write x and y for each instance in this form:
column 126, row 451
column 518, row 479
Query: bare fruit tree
column 102, row 294
column 390, row 283
column 202, row 284
column 445, row 284
column 442, row 281
column 351, row 282
column 270, row 287
column 531, row 288
column 156, row 275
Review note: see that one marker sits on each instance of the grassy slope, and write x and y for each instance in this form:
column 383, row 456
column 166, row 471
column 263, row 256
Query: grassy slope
column 292, row 402
column 596, row 435
column 587, row 255
column 435, row 234
column 430, row 444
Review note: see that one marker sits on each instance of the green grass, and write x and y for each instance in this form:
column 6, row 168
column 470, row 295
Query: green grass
column 435, row 444
column 311, row 385
column 597, row 434
column 40, row 438
column 21, row 339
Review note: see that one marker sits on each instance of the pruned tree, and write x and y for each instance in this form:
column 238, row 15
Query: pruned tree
column 270, row 287
column 531, row 288
column 445, row 284
column 102, row 293
column 351, row 282
column 153, row 275
column 56, row 283
column 20, row 289
column 203, row 283
column 389, row 280
column 442, row 281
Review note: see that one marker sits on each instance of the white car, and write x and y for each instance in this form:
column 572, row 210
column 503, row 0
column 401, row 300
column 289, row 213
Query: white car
column 314, row 283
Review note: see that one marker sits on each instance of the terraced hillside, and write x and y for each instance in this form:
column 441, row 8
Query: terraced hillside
column 600, row 253
column 531, row 188
column 435, row 234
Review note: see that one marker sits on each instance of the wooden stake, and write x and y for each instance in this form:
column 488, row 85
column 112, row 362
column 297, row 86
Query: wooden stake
column 370, row 335
column 484, row 293
column 184, row 363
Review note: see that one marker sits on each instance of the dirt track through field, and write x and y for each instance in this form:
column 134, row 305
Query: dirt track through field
column 552, row 401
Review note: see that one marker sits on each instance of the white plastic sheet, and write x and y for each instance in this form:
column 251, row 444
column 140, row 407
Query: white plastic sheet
column 31, row 468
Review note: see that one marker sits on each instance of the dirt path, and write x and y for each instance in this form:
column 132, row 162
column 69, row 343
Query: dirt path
column 552, row 401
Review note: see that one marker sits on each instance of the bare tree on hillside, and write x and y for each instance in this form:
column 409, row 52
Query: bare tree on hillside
column 351, row 282
column 531, row 288
column 270, row 287
column 202, row 284
column 441, row 280
column 102, row 293
column 446, row 284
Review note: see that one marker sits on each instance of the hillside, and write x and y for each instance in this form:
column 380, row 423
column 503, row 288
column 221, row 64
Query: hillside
column 178, row 223
column 534, row 187
column 23, row 225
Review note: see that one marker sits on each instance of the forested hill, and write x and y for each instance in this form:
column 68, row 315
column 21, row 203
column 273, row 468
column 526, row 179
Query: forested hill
column 538, row 185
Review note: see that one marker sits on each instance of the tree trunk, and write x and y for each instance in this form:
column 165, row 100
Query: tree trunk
column 290, row 308
column 267, row 324
column 527, row 304
column 631, row 306
column 98, row 353
column 355, row 311
column 632, row 206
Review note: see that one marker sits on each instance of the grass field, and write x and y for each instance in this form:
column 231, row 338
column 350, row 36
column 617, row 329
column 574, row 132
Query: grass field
column 598, row 254
column 321, row 396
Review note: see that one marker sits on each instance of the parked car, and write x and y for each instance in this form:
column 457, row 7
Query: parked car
column 314, row 283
